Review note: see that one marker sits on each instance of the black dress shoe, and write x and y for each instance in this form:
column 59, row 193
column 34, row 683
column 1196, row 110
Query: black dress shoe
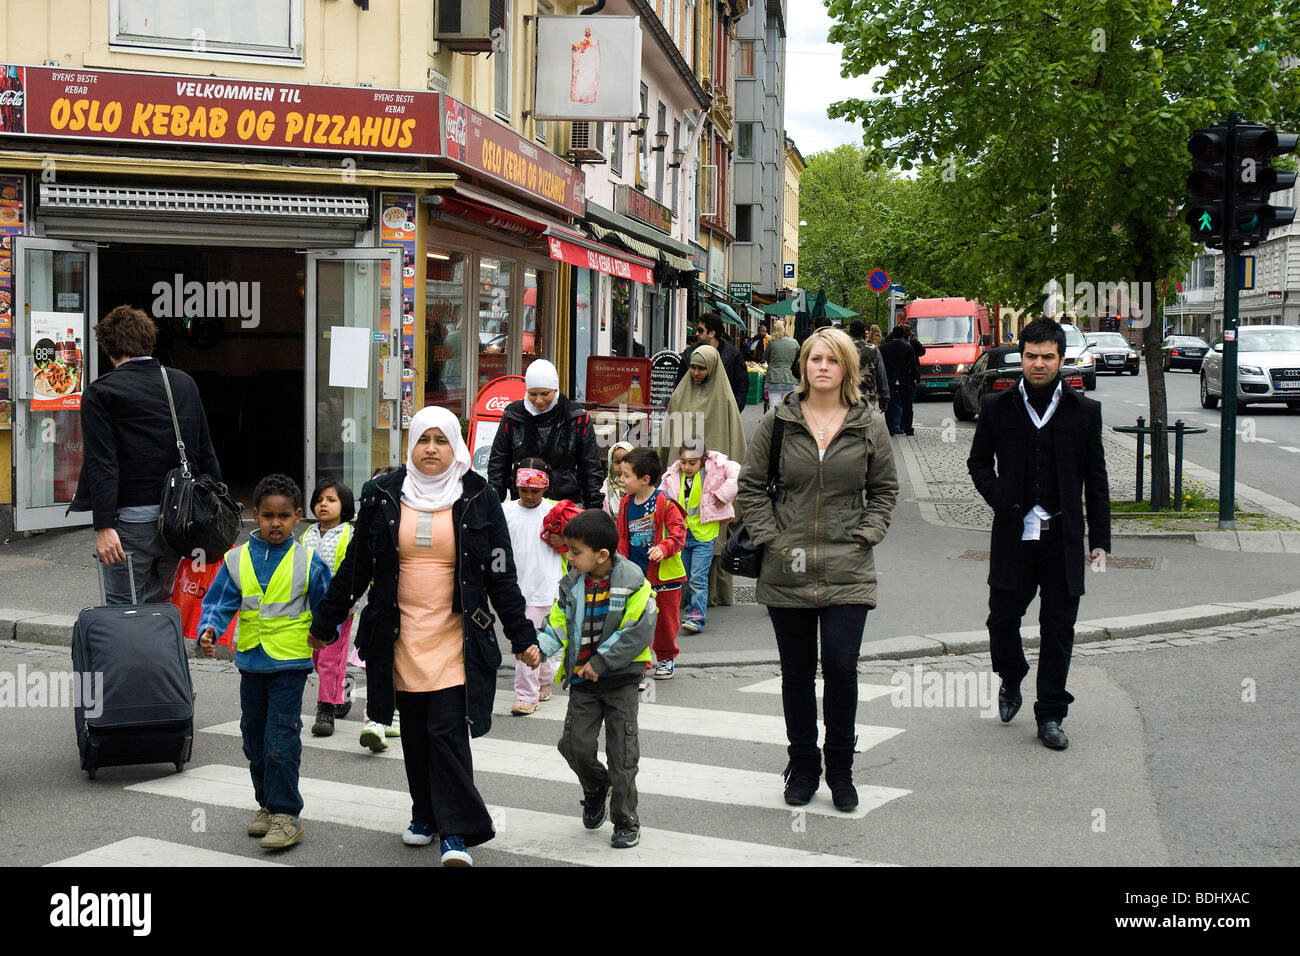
column 1051, row 734
column 1009, row 701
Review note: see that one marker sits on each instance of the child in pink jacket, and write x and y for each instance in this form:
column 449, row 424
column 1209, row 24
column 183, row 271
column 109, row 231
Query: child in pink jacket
column 704, row 484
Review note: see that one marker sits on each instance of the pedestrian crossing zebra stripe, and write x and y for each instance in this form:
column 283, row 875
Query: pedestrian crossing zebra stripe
column 669, row 778
column 146, row 851
column 866, row 692
column 699, row 722
column 520, row 832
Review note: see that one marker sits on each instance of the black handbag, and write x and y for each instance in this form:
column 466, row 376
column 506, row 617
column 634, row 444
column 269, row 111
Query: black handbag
column 198, row 518
column 740, row 555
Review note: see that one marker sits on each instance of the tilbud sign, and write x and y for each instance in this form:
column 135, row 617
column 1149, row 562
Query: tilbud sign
column 208, row 300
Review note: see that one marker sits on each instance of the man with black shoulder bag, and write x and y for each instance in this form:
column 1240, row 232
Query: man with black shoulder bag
column 130, row 447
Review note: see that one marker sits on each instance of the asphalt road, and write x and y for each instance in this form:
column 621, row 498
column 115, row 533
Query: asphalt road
column 1268, row 449
column 1168, row 765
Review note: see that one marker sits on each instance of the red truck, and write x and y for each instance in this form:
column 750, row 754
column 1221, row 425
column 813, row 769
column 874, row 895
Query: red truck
column 954, row 331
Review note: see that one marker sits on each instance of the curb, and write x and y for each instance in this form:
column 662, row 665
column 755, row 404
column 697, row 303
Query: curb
column 34, row 627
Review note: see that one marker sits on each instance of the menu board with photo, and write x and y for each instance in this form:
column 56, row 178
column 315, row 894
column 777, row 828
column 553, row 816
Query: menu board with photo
column 397, row 230
column 11, row 226
column 57, row 362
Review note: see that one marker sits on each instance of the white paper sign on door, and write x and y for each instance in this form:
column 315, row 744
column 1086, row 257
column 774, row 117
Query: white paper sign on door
column 349, row 357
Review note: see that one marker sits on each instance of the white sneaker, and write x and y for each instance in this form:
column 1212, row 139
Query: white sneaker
column 663, row 670
column 395, row 728
column 372, row 736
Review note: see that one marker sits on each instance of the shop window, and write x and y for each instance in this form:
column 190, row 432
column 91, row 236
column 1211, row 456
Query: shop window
column 444, row 330
column 494, row 277
column 628, row 334
column 536, row 319
column 232, row 29
column 586, row 288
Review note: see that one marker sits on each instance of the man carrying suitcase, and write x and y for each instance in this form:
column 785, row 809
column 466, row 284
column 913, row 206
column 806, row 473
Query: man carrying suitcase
column 130, row 446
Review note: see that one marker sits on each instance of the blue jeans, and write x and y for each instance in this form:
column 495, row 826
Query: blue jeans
column 697, row 556
column 271, row 721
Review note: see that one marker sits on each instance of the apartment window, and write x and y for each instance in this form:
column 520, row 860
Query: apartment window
column 233, row 29
column 643, row 142
column 539, row 126
column 745, row 59
column 688, row 33
column 501, row 73
column 660, row 161
column 744, row 140
column 616, row 154
column 672, row 20
column 745, row 223
column 676, row 185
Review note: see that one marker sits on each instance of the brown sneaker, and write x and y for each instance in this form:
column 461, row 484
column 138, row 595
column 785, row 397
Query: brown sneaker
column 260, row 823
column 284, row 832
column 523, row 708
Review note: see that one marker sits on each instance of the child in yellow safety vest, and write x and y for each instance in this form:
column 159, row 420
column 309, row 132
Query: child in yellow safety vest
column 334, row 506
column 272, row 582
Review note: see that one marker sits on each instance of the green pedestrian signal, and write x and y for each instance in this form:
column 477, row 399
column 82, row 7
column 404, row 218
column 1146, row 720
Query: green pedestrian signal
column 1208, row 186
column 1204, row 224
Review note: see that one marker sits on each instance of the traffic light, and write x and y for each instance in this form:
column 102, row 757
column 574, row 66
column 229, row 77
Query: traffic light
column 1255, row 180
column 1208, row 186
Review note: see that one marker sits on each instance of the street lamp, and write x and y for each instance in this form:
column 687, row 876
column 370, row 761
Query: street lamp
column 661, row 141
column 642, row 121
column 679, row 157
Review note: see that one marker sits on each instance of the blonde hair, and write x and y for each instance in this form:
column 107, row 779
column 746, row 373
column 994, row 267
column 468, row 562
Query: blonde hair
column 846, row 354
column 778, row 329
column 874, row 336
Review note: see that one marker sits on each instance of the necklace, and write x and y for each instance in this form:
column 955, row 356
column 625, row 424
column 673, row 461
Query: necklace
column 821, row 429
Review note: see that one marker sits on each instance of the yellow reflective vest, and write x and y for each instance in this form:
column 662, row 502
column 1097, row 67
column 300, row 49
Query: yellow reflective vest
column 279, row 618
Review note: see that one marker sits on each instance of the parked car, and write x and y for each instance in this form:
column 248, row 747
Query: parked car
column 995, row 370
column 1079, row 357
column 1113, row 353
column 1184, row 351
column 1268, row 367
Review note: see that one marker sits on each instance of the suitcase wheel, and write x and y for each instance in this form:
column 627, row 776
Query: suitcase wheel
column 180, row 765
column 91, row 773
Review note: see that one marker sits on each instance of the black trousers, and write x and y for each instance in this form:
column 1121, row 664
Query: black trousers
column 841, row 628
column 1044, row 575
column 439, row 769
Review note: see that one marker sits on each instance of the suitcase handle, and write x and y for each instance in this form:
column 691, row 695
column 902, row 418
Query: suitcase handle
column 130, row 574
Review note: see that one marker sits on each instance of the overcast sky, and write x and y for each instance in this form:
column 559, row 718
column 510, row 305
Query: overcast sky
column 813, row 81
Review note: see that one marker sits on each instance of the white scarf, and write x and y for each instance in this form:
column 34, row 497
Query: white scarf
column 438, row 492
column 541, row 374
column 1051, row 408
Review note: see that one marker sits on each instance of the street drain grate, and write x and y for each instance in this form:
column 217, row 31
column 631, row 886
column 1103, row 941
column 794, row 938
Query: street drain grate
column 1125, row 562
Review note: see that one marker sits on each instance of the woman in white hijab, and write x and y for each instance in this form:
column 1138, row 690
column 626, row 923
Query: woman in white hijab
column 546, row 425
column 427, row 634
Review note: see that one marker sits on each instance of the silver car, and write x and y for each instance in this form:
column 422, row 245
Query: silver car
column 1079, row 357
column 1268, row 367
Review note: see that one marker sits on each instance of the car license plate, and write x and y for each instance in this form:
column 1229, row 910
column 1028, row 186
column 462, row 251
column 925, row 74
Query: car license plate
column 1287, row 386
column 1115, row 359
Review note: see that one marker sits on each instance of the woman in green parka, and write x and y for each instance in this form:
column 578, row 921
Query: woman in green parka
column 833, row 505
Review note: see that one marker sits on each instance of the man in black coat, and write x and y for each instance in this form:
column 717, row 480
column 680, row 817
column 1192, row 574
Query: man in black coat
column 1046, row 441
column 903, row 371
column 709, row 330
column 130, row 445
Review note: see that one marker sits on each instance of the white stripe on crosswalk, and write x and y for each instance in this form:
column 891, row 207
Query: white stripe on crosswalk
column 866, row 692
column 1291, row 449
column 146, row 851
column 521, row 832
column 1262, row 441
column 715, row 724
column 669, row 778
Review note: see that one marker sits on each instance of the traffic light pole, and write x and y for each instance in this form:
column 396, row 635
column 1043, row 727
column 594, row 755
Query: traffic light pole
column 1228, row 378
column 1228, row 433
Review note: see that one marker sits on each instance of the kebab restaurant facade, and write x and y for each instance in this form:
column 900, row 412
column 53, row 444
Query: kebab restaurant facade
column 323, row 260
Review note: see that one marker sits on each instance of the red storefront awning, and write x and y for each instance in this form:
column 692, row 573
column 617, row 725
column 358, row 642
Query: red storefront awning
column 585, row 254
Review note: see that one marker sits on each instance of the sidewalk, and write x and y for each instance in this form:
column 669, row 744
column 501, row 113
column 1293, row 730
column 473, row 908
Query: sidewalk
column 932, row 569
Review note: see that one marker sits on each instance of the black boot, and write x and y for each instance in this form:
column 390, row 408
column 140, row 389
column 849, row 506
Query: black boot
column 802, row 778
column 324, row 726
column 839, row 777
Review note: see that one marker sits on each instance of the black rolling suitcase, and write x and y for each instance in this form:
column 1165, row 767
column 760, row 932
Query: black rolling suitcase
column 140, row 702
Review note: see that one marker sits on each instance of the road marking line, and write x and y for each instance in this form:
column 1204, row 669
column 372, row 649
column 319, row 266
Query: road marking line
column 146, row 851
column 1263, row 441
column 866, row 692
column 1290, row 449
column 522, row 832
column 668, row 778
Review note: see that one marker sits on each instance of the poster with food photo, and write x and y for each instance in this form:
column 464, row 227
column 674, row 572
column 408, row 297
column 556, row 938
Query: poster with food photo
column 56, row 365
column 11, row 226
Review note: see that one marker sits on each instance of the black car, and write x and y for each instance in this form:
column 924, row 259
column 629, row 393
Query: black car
column 995, row 370
column 1184, row 351
column 1113, row 353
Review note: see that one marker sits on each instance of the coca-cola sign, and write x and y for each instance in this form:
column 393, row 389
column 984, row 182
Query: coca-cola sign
column 497, row 404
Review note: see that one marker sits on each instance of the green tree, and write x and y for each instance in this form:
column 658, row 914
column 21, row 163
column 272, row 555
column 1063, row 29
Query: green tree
column 1061, row 128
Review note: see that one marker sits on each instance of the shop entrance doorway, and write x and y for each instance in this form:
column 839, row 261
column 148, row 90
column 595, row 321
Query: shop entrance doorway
column 234, row 319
